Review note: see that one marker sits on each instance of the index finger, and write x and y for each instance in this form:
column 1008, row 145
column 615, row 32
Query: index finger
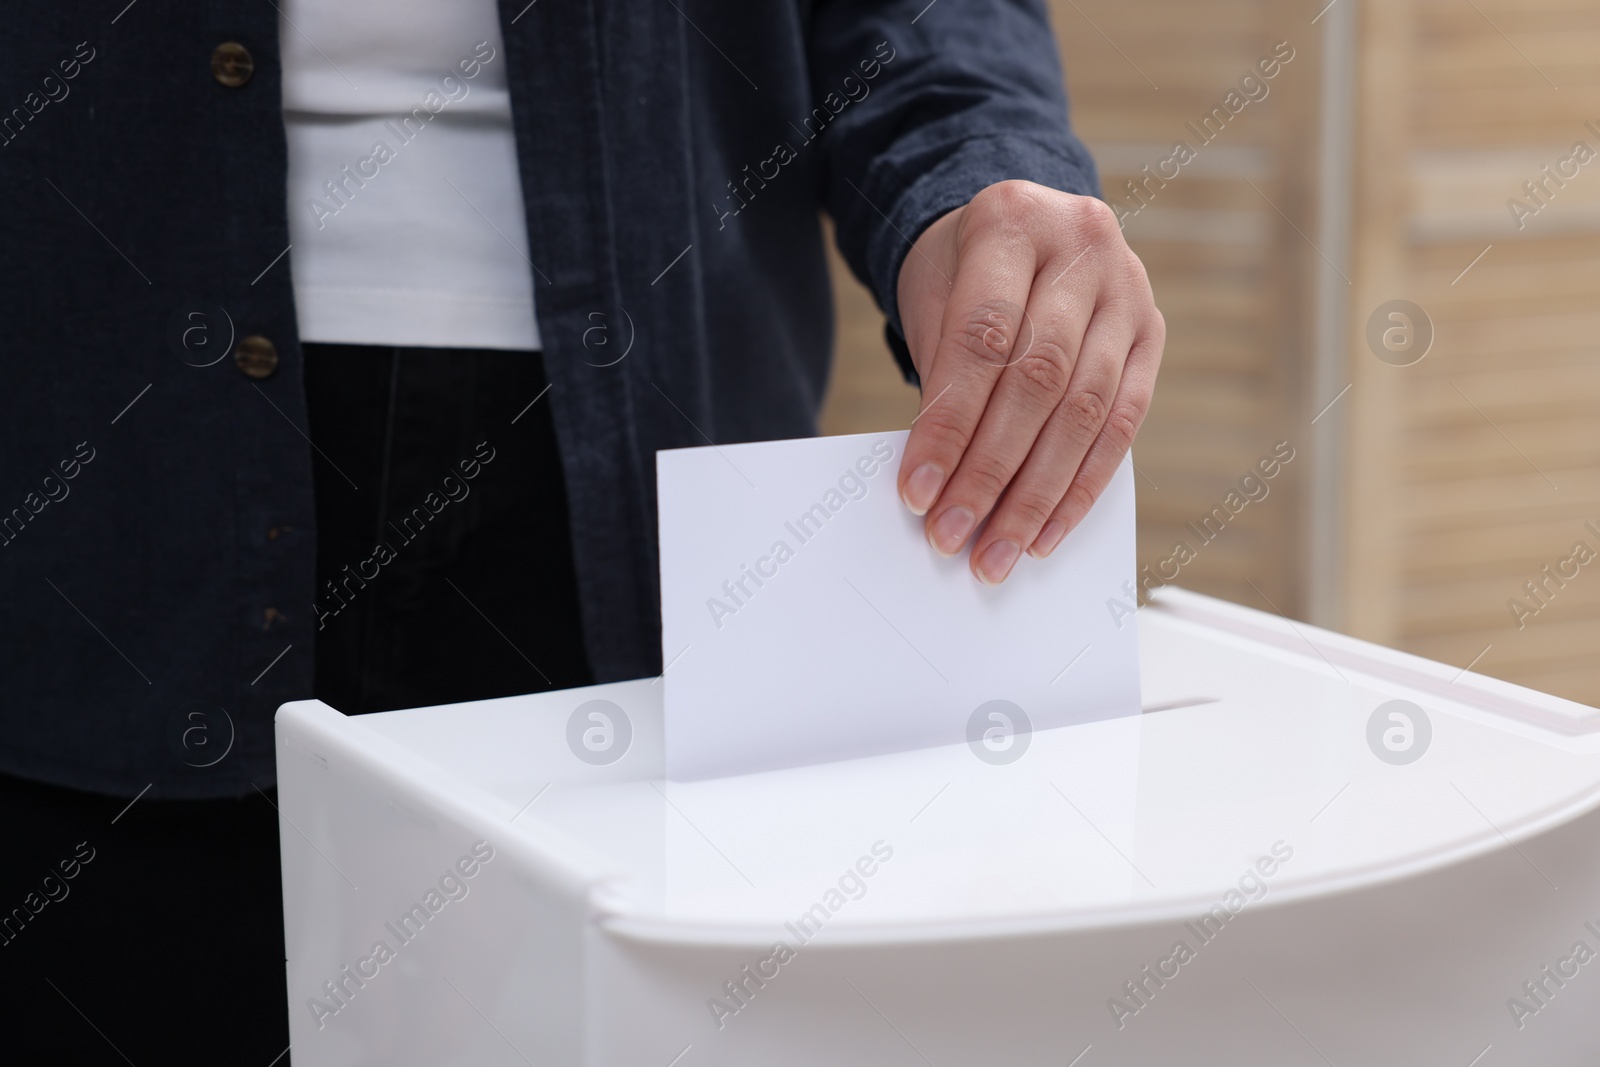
column 977, row 335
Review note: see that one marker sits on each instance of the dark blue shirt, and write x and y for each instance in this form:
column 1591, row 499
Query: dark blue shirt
column 156, row 522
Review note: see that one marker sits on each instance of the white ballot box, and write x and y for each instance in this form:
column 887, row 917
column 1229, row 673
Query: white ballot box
column 1307, row 850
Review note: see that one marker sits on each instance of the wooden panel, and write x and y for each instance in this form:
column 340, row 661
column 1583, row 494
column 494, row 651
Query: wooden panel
column 1489, row 466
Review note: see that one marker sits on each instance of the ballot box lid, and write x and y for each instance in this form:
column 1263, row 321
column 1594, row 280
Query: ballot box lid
column 1273, row 762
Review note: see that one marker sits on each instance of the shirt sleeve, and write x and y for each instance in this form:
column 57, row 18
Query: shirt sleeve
column 935, row 101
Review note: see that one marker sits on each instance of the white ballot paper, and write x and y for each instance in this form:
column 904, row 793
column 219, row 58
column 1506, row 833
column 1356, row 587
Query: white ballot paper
column 805, row 618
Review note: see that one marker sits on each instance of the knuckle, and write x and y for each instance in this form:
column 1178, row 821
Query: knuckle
column 1095, row 217
column 1012, row 189
column 987, row 333
column 1137, row 280
column 1122, row 425
column 1043, row 370
column 1086, row 410
column 1028, row 510
column 945, row 429
column 1158, row 328
column 1078, row 500
column 985, row 479
column 1134, row 276
column 1005, row 204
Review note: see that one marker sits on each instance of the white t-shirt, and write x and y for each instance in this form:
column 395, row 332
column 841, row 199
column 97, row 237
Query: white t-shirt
column 405, row 206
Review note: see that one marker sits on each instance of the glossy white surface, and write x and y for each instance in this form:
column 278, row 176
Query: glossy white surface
column 1018, row 900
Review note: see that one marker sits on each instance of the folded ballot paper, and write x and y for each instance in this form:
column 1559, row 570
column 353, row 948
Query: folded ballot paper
column 805, row 618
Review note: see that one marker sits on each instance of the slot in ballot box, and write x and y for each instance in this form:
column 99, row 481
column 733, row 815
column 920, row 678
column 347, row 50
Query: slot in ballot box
column 1307, row 850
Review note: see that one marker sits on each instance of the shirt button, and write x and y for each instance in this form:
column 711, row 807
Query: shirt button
column 231, row 64
column 256, row 356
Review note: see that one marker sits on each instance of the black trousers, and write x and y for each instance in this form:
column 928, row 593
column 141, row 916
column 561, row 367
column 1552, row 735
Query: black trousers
column 446, row 576
column 461, row 515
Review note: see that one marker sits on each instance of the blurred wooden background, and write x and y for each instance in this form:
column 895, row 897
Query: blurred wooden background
column 1378, row 167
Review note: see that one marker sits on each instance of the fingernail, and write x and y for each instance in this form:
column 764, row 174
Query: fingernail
column 1048, row 539
column 950, row 529
column 922, row 488
column 997, row 561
